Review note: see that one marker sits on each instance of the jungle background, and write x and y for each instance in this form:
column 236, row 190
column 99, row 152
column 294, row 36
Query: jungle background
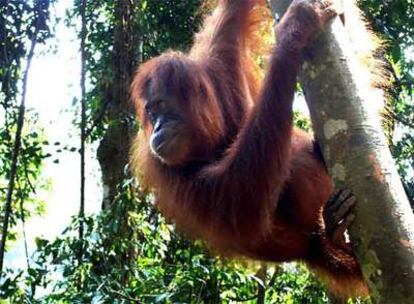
column 76, row 226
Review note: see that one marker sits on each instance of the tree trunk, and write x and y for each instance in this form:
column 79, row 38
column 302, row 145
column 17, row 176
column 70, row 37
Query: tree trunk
column 261, row 287
column 114, row 148
column 347, row 126
column 81, row 214
column 113, row 151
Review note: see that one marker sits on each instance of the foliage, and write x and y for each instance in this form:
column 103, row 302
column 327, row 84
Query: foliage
column 17, row 23
column 166, row 267
column 302, row 121
column 395, row 21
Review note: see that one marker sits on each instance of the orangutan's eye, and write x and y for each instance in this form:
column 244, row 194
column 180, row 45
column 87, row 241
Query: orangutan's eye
column 162, row 105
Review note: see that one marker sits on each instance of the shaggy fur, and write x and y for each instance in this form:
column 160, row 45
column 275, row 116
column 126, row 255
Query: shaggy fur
column 258, row 186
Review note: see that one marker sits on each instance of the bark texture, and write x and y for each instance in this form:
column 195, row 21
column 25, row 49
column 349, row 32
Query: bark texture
column 114, row 148
column 344, row 110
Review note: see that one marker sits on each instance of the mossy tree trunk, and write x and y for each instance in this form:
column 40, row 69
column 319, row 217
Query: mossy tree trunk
column 348, row 128
column 114, row 148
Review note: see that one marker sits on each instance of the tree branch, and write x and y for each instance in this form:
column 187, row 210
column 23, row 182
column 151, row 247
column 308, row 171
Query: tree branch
column 83, row 130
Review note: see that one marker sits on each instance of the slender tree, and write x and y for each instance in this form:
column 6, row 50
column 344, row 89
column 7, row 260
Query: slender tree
column 26, row 248
column 83, row 128
column 41, row 9
column 348, row 129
